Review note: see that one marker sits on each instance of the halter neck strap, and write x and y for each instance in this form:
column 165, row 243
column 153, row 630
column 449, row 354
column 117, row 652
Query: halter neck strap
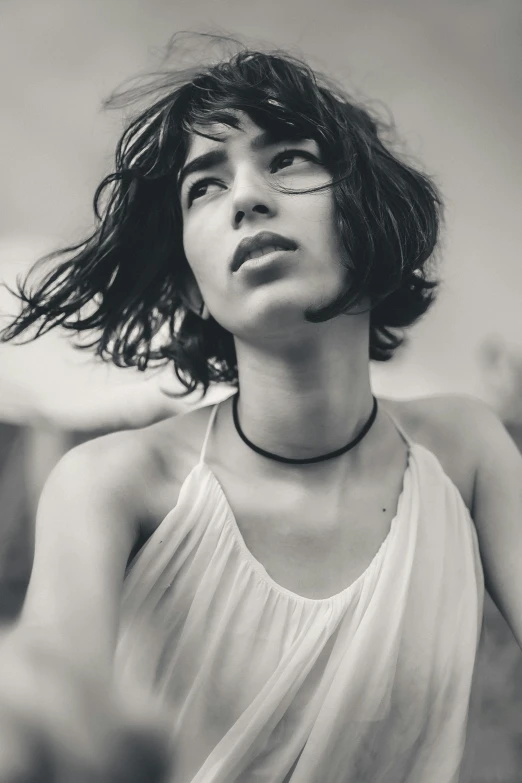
column 406, row 438
column 207, row 433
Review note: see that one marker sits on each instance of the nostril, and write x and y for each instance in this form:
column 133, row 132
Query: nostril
column 260, row 209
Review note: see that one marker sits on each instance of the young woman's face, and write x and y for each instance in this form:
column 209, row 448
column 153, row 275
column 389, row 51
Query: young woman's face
column 227, row 195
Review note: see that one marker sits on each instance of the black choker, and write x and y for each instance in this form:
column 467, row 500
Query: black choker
column 336, row 453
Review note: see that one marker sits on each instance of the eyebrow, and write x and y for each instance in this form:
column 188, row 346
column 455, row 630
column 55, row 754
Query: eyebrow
column 217, row 156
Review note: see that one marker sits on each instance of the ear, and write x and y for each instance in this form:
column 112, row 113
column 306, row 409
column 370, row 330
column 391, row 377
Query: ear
column 195, row 301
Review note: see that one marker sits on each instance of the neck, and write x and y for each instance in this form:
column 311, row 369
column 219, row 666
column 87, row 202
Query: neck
column 307, row 400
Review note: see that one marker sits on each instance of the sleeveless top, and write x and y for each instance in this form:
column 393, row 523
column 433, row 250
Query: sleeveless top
column 371, row 685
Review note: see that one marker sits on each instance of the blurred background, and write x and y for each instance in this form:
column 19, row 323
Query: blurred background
column 451, row 74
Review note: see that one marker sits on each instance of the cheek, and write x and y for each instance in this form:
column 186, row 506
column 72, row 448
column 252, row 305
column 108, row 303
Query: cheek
column 200, row 227
column 319, row 223
column 203, row 253
column 194, row 247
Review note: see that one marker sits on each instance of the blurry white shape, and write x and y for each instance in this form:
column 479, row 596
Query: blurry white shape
column 48, row 381
column 501, row 365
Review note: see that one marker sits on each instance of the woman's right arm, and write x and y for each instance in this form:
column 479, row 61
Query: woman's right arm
column 86, row 525
column 58, row 694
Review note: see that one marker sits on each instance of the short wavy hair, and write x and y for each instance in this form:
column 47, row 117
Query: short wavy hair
column 127, row 283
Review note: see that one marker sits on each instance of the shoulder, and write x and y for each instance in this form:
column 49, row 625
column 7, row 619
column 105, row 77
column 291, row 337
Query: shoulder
column 145, row 452
column 113, row 465
column 159, row 458
column 443, row 415
column 136, row 473
column 175, row 443
column 455, row 428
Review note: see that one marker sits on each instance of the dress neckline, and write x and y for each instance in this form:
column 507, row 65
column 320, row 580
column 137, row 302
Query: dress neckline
column 347, row 592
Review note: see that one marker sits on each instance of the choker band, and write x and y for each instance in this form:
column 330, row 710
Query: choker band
column 307, row 460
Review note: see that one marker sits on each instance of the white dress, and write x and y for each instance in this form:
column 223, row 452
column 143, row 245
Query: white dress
column 371, row 685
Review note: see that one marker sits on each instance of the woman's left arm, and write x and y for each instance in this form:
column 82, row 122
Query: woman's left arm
column 497, row 513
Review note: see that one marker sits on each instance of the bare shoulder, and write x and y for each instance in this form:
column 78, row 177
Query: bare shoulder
column 147, row 453
column 457, row 415
column 117, row 464
column 163, row 454
column 137, row 473
column 453, row 427
column 175, row 443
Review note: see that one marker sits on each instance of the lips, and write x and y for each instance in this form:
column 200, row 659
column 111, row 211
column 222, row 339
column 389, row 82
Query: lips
column 251, row 247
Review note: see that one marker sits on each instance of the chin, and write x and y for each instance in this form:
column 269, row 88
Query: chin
column 268, row 310
column 283, row 320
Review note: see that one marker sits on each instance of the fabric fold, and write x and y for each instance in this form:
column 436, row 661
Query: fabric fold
column 267, row 686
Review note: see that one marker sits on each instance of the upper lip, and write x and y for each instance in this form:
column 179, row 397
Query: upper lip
column 257, row 242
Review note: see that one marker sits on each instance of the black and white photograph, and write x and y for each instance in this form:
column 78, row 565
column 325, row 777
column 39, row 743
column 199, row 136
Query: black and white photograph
column 260, row 391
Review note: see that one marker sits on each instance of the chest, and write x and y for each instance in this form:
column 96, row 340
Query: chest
column 313, row 540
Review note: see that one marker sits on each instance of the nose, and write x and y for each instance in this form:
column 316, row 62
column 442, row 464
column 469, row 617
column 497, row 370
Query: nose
column 252, row 197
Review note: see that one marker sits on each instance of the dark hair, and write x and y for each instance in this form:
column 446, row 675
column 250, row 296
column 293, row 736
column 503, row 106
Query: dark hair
column 128, row 280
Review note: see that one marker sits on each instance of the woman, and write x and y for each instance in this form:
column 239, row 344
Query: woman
column 294, row 574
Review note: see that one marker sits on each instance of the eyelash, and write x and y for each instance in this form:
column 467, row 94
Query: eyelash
column 280, row 156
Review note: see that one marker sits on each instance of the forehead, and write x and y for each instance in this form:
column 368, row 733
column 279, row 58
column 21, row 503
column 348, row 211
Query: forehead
column 216, row 134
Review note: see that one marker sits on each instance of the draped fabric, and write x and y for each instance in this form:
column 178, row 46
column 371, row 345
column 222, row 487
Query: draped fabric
column 371, row 685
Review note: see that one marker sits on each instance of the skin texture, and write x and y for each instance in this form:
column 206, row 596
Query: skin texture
column 305, row 390
column 294, row 375
column 237, row 199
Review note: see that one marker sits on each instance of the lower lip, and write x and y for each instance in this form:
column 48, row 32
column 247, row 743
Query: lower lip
column 265, row 260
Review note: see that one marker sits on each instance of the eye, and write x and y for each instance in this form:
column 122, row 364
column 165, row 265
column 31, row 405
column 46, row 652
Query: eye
column 199, row 189
column 286, row 158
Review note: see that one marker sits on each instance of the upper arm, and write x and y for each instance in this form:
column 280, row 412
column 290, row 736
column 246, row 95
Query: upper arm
column 497, row 513
column 86, row 526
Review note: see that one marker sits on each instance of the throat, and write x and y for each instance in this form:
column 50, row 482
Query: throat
column 288, row 454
